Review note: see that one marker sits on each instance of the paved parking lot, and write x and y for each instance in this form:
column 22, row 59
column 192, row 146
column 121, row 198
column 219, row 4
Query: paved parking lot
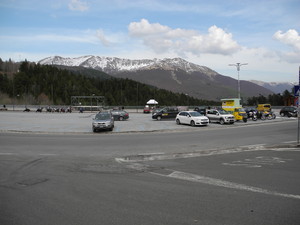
column 18, row 121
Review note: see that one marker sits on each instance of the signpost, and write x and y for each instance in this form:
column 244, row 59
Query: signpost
column 296, row 94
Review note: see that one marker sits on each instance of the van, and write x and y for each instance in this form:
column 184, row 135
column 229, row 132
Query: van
column 263, row 107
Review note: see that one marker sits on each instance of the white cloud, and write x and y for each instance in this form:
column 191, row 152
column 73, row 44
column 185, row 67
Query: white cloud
column 292, row 39
column 77, row 5
column 162, row 38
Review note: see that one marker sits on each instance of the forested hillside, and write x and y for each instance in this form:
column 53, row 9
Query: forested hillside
column 43, row 84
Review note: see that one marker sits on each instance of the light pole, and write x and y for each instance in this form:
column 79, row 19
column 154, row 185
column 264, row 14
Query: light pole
column 238, row 67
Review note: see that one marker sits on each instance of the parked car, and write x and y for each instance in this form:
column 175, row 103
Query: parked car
column 289, row 111
column 201, row 109
column 147, row 109
column 120, row 115
column 103, row 121
column 192, row 118
column 220, row 116
column 165, row 113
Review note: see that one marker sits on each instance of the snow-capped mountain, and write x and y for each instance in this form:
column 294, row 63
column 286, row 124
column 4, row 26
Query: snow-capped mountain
column 276, row 87
column 115, row 65
column 176, row 75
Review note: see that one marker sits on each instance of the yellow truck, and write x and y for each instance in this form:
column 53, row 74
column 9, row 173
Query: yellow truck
column 265, row 112
column 263, row 107
column 233, row 106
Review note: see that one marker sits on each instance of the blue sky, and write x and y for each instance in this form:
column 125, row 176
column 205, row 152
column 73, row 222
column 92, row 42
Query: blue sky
column 263, row 33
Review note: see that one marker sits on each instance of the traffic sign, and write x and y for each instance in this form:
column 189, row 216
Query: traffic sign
column 296, row 90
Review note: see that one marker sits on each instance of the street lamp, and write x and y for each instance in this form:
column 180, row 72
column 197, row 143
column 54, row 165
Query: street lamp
column 238, row 66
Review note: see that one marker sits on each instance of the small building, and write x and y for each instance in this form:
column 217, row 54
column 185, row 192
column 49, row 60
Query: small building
column 230, row 104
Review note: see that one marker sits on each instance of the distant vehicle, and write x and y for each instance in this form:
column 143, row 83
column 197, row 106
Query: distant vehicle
column 147, row 109
column 192, row 118
column 120, row 115
column 165, row 113
column 103, row 121
column 289, row 111
column 201, row 109
column 3, row 108
column 265, row 112
column 26, row 109
column 220, row 116
column 264, row 107
column 39, row 109
column 239, row 113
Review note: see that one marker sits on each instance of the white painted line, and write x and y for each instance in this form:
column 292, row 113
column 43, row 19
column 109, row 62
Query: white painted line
column 253, row 146
column 151, row 153
column 289, row 142
column 223, row 183
column 48, row 154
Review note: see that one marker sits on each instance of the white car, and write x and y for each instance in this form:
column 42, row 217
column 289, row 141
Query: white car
column 192, row 118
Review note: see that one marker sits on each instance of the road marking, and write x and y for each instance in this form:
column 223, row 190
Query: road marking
column 48, row 154
column 289, row 142
column 256, row 146
column 257, row 162
column 223, row 183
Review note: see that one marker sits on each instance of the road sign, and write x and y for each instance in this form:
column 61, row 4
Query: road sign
column 296, row 90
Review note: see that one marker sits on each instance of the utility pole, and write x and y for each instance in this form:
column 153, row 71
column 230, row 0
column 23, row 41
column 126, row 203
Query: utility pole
column 238, row 67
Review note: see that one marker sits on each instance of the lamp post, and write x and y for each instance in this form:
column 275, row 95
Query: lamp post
column 238, row 67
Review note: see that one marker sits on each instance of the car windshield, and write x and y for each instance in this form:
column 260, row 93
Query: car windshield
column 223, row 112
column 102, row 116
column 195, row 114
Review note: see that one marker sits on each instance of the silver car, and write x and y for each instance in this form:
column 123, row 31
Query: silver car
column 103, row 121
column 220, row 116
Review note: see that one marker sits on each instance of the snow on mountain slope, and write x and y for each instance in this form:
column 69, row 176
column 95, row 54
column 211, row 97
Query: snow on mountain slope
column 276, row 87
column 114, row 65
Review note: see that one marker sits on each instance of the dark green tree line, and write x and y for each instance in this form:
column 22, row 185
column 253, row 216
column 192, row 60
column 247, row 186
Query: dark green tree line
column 275, row 99
column 45, row 83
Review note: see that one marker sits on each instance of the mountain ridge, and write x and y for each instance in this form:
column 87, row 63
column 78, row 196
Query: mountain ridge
column 276, row 87
column 177, row 75
column 115, row 64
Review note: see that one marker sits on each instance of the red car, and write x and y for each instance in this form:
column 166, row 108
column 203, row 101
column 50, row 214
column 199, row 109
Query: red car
column 147, row 109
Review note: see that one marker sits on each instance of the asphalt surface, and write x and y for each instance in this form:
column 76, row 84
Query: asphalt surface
column 55, row 170
column 18, row 121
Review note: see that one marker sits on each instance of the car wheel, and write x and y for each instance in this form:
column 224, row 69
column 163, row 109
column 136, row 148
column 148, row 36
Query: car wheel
column 192, row 123
column 282, row 114
column 94, row 130
column 222, row 121
column 178, row 122
column 159, row 118
column 121, row 118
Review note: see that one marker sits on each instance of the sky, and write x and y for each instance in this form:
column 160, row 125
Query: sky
column 264, row 34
